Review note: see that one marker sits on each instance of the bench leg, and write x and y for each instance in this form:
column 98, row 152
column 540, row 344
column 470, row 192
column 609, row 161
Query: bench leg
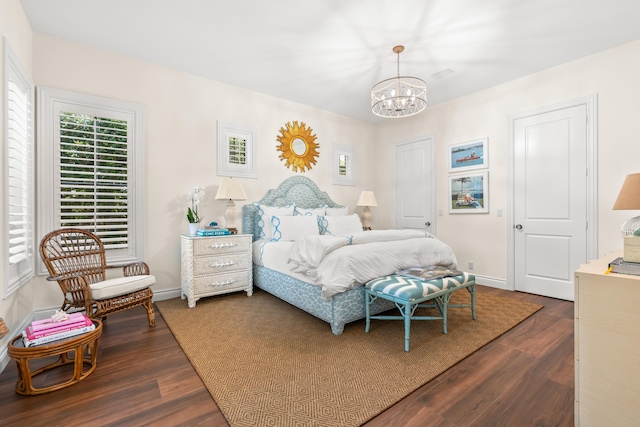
column 472, row 291
column 407, row 325
column 368, row 298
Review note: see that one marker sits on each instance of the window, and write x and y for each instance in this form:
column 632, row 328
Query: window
column 18, row 179
column 90, row 155
column 237, row 150
column 344, row 165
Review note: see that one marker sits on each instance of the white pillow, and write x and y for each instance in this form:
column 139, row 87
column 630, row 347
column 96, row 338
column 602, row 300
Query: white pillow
column 291, row 228
column 337, row 225
column 309, row 212
column 264, row 218
column 342, row 210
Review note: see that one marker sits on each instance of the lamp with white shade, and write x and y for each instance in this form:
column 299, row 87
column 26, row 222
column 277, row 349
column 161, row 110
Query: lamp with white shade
column 629, row 199
column 367, row 199
column 230, row 190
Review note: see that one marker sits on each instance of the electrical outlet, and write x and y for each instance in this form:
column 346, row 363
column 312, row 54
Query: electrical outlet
column 470, row 265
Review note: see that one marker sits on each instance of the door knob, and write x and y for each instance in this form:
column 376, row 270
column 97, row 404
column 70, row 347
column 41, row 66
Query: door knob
column 519, row 227
column 427, row 224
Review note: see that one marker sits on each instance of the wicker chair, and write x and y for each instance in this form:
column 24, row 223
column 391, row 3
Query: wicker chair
column 76, row 260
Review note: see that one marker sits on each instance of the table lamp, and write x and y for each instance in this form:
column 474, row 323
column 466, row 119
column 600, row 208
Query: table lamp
column 366, row 199
column 629, row 199
column 230, row 190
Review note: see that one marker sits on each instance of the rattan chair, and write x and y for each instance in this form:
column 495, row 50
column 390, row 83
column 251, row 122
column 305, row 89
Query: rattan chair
column 76, row 260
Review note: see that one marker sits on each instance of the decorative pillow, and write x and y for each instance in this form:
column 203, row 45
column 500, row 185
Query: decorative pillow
column 264, row 218
column 292, row 228
column 338, row 225
column 342, row 210
column 309, row 212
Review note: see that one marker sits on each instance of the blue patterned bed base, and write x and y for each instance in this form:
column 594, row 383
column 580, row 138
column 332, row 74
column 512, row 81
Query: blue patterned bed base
column 342, row 308
column 339, row 310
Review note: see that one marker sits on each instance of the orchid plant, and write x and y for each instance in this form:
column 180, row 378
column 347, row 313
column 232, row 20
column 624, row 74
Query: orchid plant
column 192, row 211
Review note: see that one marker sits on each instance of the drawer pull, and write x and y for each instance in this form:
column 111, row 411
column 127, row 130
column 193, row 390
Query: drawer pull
column 223, row 245
column 224, row 282
column 221, row 264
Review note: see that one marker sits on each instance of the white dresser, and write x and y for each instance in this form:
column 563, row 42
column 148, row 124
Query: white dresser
column 607, row 346
column 215, row 265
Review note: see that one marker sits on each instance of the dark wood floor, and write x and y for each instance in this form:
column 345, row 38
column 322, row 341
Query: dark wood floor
column 523, row 378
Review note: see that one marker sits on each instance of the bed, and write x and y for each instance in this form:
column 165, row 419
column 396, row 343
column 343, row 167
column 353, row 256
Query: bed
column 337, row 307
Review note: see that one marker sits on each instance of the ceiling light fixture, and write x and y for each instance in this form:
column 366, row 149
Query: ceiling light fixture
column 399, row 96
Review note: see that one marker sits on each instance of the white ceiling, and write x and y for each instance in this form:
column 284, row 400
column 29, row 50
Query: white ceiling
column 329, row 53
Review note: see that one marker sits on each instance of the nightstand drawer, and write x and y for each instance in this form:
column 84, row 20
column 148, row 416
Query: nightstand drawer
column 221, row 245
column 221, row 264
column 220, row 282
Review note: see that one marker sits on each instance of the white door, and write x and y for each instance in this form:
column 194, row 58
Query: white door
column 550, row 200
column 415, row 184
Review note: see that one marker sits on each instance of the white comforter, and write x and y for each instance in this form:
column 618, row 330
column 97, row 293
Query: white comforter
column 338, row 263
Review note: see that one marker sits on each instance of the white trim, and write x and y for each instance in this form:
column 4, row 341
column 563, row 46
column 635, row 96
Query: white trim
column 250, row 135
column 49, row 101
column 12, row 281
column 591, row 104
column 350, row 152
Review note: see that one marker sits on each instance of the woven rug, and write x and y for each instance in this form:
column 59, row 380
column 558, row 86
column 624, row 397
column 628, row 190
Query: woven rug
column 267, row 363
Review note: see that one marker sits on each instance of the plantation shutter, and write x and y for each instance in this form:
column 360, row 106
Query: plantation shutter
column 19, row 176
column 94, row 188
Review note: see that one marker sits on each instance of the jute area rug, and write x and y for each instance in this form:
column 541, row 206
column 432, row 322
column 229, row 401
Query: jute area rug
column 267, row 363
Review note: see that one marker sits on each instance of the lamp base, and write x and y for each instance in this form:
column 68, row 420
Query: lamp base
column 631, row 249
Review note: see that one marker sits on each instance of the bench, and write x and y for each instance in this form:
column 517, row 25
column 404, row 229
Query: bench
column 408, row 294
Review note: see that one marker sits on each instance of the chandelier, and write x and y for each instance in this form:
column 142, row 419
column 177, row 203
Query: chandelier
column 399, row 96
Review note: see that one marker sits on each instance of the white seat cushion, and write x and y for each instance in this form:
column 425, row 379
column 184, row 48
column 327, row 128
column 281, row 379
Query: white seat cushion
column 121, row 286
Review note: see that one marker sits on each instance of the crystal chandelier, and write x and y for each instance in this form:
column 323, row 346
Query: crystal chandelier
column 399, row 96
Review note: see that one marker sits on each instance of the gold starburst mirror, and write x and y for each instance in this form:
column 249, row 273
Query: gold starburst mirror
column 298, row 146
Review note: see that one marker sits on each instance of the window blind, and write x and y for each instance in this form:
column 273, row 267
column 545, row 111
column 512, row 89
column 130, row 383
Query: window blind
column 94, row 176
column 19, row 176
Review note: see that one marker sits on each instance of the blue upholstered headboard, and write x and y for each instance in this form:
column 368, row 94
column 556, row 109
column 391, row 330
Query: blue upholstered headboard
column 297, row 190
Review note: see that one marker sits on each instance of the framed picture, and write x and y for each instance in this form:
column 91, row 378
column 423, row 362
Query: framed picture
column 237, row 150
column 469, row 155
column 469, row 193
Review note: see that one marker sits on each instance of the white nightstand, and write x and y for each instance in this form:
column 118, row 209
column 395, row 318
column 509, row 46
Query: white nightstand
column 215, row 265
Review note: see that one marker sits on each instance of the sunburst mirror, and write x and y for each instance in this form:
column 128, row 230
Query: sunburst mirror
column 298, row 146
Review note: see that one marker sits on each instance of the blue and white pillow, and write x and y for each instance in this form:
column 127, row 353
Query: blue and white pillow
column 309, row 212
column 264, row 218
column 292, row 228
column 340, row 225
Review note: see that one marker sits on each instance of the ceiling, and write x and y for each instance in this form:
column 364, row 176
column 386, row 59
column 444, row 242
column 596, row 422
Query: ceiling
column 329, row 53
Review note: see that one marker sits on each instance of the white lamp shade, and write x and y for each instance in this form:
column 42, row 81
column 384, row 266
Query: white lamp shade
column 367, row 198
column 231, row 189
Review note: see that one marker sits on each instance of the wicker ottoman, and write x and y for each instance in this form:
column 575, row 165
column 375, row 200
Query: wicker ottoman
column 409, row 293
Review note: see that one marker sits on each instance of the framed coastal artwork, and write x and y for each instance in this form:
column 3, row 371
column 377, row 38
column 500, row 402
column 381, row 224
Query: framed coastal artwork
column 469, row 155
column 469, row 193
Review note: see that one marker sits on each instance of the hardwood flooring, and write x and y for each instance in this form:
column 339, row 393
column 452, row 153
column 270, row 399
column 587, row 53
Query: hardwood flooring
column 523, row 378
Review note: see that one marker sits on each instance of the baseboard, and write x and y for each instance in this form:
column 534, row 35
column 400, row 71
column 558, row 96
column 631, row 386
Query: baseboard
column 492, row 282
column 47, row 312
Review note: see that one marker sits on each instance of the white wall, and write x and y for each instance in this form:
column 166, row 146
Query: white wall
column 482, row 238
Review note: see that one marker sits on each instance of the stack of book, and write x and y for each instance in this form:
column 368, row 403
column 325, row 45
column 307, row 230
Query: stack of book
column 47, row 330
column 213, row 232
column 620, row 266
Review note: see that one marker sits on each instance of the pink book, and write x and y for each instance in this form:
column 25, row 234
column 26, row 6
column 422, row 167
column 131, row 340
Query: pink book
column 40, row 325
column 31, row 334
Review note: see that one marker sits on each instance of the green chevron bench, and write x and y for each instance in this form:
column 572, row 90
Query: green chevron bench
column 408, row 294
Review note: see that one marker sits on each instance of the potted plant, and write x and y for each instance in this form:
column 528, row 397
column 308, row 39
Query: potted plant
column 192, row 211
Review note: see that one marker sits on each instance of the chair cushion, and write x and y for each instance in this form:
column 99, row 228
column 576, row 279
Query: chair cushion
column 120, row 286
column 409, row 289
